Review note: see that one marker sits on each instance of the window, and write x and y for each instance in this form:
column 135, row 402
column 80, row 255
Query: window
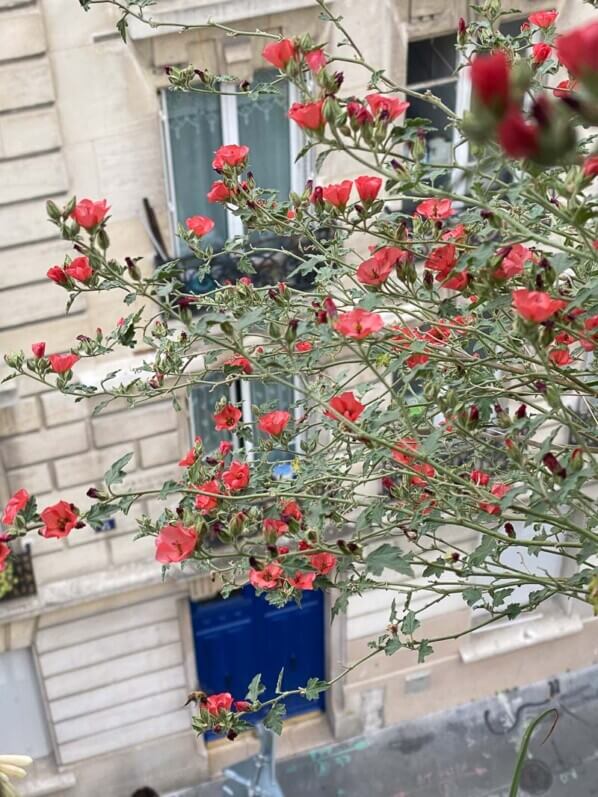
column 23, row 723
column 243, row 393
column 432, row 65
column 194, row 126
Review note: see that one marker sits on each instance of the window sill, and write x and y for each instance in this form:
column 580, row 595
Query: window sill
column 519, row 634
column 47, row 784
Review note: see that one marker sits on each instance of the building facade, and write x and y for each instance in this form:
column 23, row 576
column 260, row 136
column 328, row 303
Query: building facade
column 95, row 665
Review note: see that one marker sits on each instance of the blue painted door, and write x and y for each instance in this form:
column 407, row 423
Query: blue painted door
column 238, row 637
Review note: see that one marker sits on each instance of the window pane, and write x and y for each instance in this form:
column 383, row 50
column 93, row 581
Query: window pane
column 195, row 131
column 512, row 27
column 276, row 397
column 202, row 400
column 431, row 59
column 264, row 128
column 439, row 142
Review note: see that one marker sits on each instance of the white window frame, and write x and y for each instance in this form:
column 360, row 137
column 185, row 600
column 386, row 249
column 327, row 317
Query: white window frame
column 300, row 171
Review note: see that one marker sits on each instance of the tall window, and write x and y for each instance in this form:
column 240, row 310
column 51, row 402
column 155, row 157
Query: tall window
column 195, row 125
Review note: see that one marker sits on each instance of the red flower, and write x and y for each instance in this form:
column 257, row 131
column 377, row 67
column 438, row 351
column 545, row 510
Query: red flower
column 564, row 88
column 38, row 349
column 403, row 449
column 346, row 405
column 242, row 705
column 384, row 106
column 442, row 259
column 518, row 138
column 57, row 274
column 590, row 167
column 416, row 359
column 268, row 578
column 14, row 506
column 490, row 80
column 374, row 271
column 512, row 263
column 543, row 19
column 436, row 209
column 368, row 188
column 236, row 477
column 207, row 503
column 200, row 225
column 457, row 233
column 303, row 346
column 216, row 703
column 240, row 362
column 291, row 511
column 323, row 562
column 219, row 192
column 4, row 554
column 358, row 323
column 303, row 580
column 498, row 491
column 541, row 52
column 175, row 543
column 578, row 50
column 274, row 423
column 280, row 53
column 59, row 520
column 190, row 457
column 89, row 214
column 307, row 115
column 79, row 269
column 457, row 282
column 479, row 477
column 62, row 362
column 359, row 114
column 426, row 470
column 273, row 527
column 315, row 59
column 560, row 357
column 536, row 306
column 337, row 194
column 225, row 447
column 228, row 418
column 233, row 155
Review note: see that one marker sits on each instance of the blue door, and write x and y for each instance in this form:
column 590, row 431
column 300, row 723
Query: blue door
column 243, row 635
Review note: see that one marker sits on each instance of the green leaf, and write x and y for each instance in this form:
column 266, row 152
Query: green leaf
column 388, row 557
column 313, row 688
column 279, row 681
column 425, row 649
column 256, row 687
column 115, row 472
column 274, row 718
column 99, row 513
column 410, row 623
column 122, row 26
column 472, row 595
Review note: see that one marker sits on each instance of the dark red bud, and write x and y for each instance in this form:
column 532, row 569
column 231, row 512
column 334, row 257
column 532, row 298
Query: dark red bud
column 509, row 530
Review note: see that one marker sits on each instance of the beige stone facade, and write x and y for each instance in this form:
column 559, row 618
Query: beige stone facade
column 112, row 647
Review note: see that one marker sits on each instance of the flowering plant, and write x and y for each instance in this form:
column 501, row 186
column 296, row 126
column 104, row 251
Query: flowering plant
column 442, row 361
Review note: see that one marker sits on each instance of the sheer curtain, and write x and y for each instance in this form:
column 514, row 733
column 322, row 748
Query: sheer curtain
column 195, row 131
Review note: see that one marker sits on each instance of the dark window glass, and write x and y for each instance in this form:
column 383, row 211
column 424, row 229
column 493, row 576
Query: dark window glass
column 431, row 59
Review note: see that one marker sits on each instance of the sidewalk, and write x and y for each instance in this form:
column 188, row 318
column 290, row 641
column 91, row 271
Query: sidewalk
column 469, row 751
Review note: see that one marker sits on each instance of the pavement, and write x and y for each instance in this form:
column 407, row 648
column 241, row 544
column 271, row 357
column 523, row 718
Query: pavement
column 469, row 751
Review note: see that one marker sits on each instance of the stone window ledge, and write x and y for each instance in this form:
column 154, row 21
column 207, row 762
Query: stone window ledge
column 220, row 11
column 55, row 783
column 518, row 634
